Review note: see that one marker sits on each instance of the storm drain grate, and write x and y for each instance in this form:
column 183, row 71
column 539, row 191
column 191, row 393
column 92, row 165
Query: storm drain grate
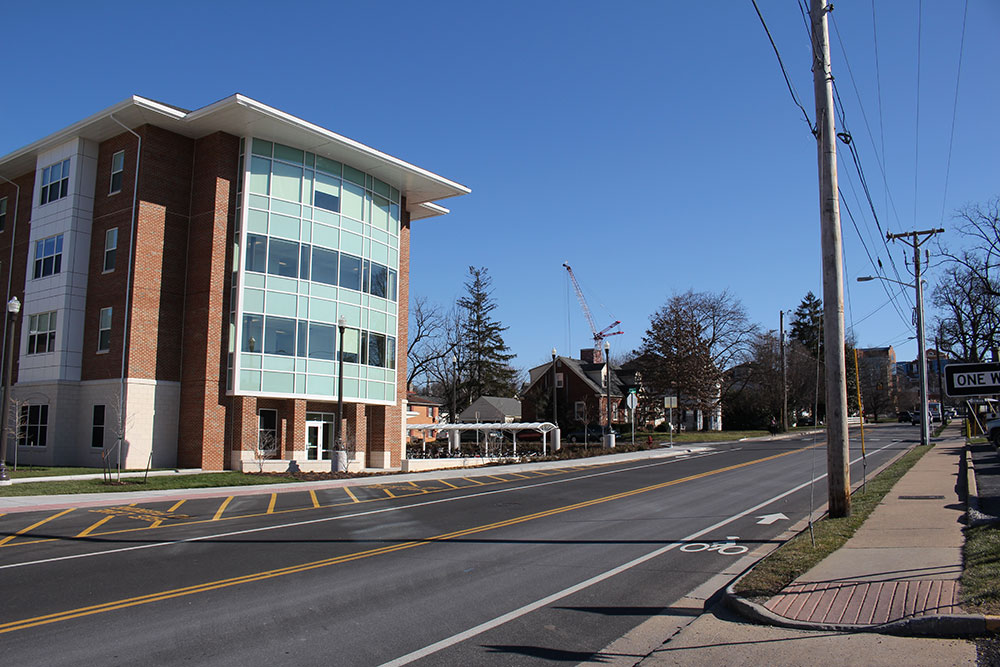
column 921, row 497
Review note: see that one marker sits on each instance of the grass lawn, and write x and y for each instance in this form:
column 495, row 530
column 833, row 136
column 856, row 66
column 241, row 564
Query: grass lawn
column 200, row 481
column 980, row 591
column 798, row 555
column 49, row 471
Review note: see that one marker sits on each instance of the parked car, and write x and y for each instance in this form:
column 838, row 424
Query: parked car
column 993, row 431
column 903, row 416
column 591, row 433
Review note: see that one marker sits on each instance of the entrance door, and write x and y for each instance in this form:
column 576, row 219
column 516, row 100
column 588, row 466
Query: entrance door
column 316, row 446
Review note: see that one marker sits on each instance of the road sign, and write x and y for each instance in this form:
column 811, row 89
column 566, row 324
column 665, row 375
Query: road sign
column 670, row 402
column 631, row 401
column 972, row 379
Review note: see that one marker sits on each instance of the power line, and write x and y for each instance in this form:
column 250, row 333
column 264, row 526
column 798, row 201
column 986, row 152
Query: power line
column 784, row 73
column 954, row 111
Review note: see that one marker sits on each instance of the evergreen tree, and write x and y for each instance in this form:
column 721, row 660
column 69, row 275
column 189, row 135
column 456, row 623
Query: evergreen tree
column 807, row 323
column 484, row 357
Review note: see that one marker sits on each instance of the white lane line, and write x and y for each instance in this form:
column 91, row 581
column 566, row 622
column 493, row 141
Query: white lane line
column 341, row 517
column 538, row 604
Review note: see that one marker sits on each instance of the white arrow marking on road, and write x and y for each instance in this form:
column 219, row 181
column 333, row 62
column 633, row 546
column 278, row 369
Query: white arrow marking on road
column 768, row 519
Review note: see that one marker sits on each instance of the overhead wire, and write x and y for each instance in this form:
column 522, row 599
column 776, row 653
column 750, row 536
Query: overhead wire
column 954, row 111
column 784, row 72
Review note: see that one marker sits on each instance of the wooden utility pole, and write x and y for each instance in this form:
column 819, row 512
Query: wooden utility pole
column 837, row 450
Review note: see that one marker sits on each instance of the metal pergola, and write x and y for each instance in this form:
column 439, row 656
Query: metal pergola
column 513, row 428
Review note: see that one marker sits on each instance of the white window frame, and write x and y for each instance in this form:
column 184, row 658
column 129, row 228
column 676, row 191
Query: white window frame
column 110, row 248
column 37, row 272
column 39, row 341
column 579, row 410
column 559, row 380
column 54, row 189
column 104, row 330
column 117, row 170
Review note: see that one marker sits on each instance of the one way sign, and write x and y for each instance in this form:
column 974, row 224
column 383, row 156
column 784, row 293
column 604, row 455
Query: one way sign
column 972, row 379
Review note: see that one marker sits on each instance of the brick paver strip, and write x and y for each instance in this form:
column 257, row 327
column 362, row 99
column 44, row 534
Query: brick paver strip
column 794, row 611
column 839, row 603
column 780, row 603
column 933, row 605
column 910, row 601
column 882, row 607
column 824, row 603
column 898, row 601
column 923, row 595
column 858, row 595
column 949, row 604
column 868, row 604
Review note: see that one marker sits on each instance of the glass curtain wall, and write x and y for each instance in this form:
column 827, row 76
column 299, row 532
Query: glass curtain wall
column 316, row 240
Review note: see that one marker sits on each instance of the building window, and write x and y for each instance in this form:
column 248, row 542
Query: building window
column 97, row 430
column 579, row 411
column 48, row 256
column 117, row 171
column 559, row 380
column 3, row 213
column 110, row 246
column 104, row 331
column 55, row 182
column 34, row 426
column 267, row 430
column 42, row 333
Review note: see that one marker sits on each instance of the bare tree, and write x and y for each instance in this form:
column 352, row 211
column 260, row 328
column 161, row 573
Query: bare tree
column 969, row 305
column 979, row 227
column 430, row 340
column 265, row 448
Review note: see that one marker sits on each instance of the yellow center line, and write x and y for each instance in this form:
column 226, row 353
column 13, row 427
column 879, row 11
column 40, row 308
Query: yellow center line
column 448, row 484
column 312, row 494
column 327, row 562
column 34, row 525
column 270, row 505
column 222, row 508
column 100, row 523
column 351, row 494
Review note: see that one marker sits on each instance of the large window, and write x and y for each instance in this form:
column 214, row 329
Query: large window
column 267, row 430
column 322, row 340
column 279, row 336
column 48, row 256
column 110, row 248
column 34, row 426
column 55, row 182
column 97, row 429
column 104, row 331
column 117, row 171
column 42, row 333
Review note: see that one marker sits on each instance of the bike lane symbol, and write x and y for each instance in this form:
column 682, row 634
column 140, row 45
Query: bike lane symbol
column 728, row 548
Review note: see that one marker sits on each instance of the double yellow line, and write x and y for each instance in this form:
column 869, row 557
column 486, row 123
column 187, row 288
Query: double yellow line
column 327, row 562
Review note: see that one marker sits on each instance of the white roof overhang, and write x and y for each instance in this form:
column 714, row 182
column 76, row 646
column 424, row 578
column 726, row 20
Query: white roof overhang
column 544, row 427
column 241, row 116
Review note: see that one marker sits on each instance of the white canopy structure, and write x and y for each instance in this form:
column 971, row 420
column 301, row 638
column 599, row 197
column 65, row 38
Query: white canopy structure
column 513, row 427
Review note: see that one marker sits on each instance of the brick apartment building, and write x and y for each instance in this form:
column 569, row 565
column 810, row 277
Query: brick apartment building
column 182, row 275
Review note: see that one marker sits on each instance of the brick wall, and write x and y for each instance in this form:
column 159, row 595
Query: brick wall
column 203, row 400
column 18, row 234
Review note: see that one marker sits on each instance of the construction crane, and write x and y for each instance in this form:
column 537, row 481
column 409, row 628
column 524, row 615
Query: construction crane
column 598, row 335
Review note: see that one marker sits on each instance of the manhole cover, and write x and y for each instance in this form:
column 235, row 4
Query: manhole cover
column 921, row 497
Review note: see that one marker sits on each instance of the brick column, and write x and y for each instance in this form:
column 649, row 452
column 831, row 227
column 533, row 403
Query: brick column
column 356, row 430
column 295, row 430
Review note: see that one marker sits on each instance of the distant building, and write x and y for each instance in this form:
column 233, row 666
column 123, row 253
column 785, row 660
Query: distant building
column 423, row 410
column 581, row 391
column 492, row 410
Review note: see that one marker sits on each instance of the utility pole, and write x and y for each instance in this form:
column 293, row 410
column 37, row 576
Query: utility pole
column 837, row 449
column 916, row 239
column 784, row 374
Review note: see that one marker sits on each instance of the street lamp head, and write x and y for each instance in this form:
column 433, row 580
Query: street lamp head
column 553, row 353
column 864, row 279
column 607, row 346
column 13, row 306
column 341, row 321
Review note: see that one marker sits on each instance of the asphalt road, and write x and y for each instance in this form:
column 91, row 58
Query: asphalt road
column 549, row 566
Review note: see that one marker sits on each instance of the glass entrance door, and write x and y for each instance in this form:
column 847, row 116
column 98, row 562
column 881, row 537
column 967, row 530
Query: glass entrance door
column 316, row 447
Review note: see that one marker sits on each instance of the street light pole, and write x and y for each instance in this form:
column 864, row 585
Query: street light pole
column 339, row 458
column 13, row 308
column 784, row 375
column 608, row 438
column 555, row 412
column 454, row 402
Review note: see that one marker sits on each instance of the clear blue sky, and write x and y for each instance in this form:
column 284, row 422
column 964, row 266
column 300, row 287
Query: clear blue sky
column 652, row 145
